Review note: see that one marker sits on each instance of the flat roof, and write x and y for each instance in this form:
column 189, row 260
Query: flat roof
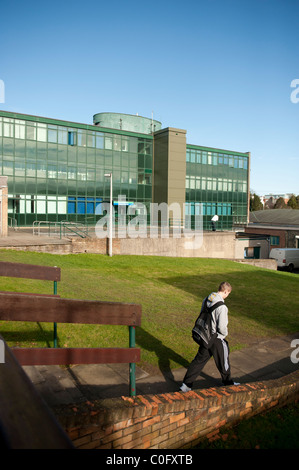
column 76, row 125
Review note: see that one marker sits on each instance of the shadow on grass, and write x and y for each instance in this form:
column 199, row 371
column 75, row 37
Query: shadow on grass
column 164, row 354
column 31, row 335
column 260, row 295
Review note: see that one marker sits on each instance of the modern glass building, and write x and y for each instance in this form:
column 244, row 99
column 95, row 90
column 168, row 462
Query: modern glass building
column 56, row 169
column 219, row 180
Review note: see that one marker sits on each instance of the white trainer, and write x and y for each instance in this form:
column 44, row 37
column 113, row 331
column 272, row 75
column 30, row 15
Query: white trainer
column 185, row 388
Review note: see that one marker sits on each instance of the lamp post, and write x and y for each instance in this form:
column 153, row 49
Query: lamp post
column 109, row 175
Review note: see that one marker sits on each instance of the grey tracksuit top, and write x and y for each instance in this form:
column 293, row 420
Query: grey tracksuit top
column 219, row 315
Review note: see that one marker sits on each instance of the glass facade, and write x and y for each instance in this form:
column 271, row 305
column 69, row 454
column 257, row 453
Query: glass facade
column 56, row 169
column 217, row 184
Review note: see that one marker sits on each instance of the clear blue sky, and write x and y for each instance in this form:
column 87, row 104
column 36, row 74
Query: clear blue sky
column 221, row 69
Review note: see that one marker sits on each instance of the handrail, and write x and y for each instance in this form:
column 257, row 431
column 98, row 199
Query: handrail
column 12, row 222
column 68, row 225
column 59, row 228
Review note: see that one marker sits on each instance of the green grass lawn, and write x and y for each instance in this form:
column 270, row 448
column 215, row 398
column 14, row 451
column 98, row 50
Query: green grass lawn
column 274, row 429
column 263, row 303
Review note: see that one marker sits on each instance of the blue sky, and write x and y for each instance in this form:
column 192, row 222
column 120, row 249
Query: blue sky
column 221, row 69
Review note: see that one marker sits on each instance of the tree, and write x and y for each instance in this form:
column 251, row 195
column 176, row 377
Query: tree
column 255, row 203
column 280, row 203
column 292, row 202
column 270, row 203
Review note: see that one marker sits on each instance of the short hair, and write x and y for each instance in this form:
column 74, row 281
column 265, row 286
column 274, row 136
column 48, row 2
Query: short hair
column 225, row 286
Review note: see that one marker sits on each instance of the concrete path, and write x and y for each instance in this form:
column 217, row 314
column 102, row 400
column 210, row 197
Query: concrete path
column 264, row 360
column 24, row 237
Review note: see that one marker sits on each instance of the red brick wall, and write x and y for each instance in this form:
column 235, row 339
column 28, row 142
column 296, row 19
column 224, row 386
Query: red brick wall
column 170, row 420
column 269, row 231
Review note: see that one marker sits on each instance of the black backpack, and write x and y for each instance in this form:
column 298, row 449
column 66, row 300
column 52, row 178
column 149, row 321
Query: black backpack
column 202, row 330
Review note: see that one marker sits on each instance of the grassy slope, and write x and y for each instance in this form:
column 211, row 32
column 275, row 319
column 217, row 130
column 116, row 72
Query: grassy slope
column 263, row 302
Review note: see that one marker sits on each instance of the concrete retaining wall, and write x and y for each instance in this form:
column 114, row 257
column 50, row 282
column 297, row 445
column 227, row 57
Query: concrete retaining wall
column 212, row 245
column 171, row 420
column 222, row 245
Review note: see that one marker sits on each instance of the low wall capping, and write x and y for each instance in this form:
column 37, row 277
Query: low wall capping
column 170, row 420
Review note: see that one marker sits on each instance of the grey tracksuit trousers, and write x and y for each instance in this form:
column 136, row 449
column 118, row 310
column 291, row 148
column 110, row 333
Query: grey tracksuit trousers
column 220, row 352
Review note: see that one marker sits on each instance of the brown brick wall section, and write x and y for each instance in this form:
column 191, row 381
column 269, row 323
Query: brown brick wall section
column 281, row 233
column 170, row 420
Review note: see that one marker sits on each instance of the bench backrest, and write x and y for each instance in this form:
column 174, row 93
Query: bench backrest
column 52, row 308
column 35, row 308
column 30, row 271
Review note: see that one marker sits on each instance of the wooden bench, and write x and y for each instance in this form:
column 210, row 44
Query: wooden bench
column 43, row 308
column 32, row 271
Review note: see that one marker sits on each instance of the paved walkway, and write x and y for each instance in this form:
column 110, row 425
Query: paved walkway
column 25, row 237
column 264, row 360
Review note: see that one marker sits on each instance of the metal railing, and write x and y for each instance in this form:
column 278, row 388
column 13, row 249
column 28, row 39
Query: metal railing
column 12, row 223
column 59, row 229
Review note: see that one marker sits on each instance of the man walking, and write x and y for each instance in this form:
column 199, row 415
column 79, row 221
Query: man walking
column 219, row 349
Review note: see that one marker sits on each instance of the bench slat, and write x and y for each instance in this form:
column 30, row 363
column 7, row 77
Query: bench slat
column 18, row 307
column 30, row 271
column 59, row 356
column 29, row 293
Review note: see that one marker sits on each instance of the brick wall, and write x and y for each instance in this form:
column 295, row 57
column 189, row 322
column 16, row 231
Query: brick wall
column 281, row 233
column 170, row 420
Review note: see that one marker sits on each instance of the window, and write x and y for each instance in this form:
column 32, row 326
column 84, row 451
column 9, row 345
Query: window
column 91, row 140
column 20, row 129
column 274, row 240
column 52, row 134
column 81, row 138
column 99, row 141
column 108, row 143
column 30, row 169
column 72, row 138
column 71, row 207
column 42, row 132
column 7, row 167
column 8, row 128
column 124, row 144
column 62, row 136
column 31, row 132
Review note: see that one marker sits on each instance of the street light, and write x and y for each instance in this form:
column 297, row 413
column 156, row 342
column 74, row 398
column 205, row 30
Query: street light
column 109, row 175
